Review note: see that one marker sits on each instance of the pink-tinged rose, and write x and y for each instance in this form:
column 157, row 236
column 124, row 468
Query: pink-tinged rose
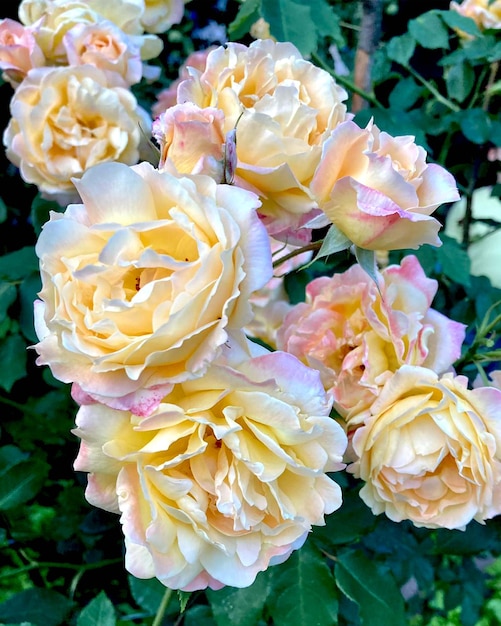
column 160, row 15
column 107, row 47
column 67, row 119
column 378, row 190
column 143, row 281
column 485, row 13
column 283, row 108
column 224, row 479
column 19, row 51
column 192, row 140
column 357, row 335
column 271, row 303
column 429, row 450
column 168, row 97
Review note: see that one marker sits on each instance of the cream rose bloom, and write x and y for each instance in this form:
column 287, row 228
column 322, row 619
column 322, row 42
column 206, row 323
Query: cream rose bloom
column 283, row 108
column 429, row 450
column 378, row 190
column 107, row 47
column 159, row 15
column 67, row 119
column 52, row 19
column 357, row 335
column 143, row 281
column 225, row 478
column 485, row 13
column 19, row 51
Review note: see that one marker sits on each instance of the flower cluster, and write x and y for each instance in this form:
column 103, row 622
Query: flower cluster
column 158, row 282
column 71, row 65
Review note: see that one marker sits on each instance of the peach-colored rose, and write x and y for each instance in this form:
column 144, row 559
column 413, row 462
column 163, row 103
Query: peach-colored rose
column 485, row 13
column 160, row 15
column 192, row 140
column 429, row 450
column 67, row 119
column 225, row 478
column 378, row 190
column 142, row 283
column 357, row 335
column 52, row 20
column 283, row 108
column 19, row 52
column 107, row 47
column 168, row 97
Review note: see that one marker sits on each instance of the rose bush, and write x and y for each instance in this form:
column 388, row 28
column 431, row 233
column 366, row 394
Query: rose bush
column 143, row 281
column 283, row 107
column 429, row 450
column 378, row 190
column 225, row 478
column 67, row 119
column 357, row 333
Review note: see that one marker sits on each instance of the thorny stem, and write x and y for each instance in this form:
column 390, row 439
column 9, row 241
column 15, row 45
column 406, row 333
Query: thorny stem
column 345, row 82
column 162, row 608
column 490, row 82
column 432, row 89
column 316, row 245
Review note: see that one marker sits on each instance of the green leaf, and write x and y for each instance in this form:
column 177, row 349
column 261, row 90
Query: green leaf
column 40, row 208
column 248, row 13
column 405, row 94
column 8, row 295
column 11, row 455
column 16, row 265
column 334, row 241
column 456, row 21
column 401, row 49
column 291, row 21
column 42, row 607
column 367, row 261
column 429, row 31
column 475, row 125
column 3, row 211
column 148, row 593
column 378, row 597
column 240, row 606
column 21, row 482
column 454, row 260
column 13, row 352
column 304, row 591
column 99, row 612
column 459, row 80
column 327, row 21
column 183, row 597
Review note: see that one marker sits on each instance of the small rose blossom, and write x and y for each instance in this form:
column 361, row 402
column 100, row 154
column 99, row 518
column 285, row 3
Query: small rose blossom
column 485, row 13
column 283, row 108
column 357, row 335
column 143, row 281
column 19, row 51
column 192, row 140
column 429, row 450
column 107, row 47
column 168, row 97
column 67, row 119
column 160, row 15
column 224, row 479
column 378, row 190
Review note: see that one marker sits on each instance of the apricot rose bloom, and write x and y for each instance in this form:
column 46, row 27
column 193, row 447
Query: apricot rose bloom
column 378, row 190
column 143, row 281
column 225, row 478
column 485, row 13
column 283, row 108
column 159, row 15
column 19, row 51
column 357, row 335
column 67, row 119
column 429, row 450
